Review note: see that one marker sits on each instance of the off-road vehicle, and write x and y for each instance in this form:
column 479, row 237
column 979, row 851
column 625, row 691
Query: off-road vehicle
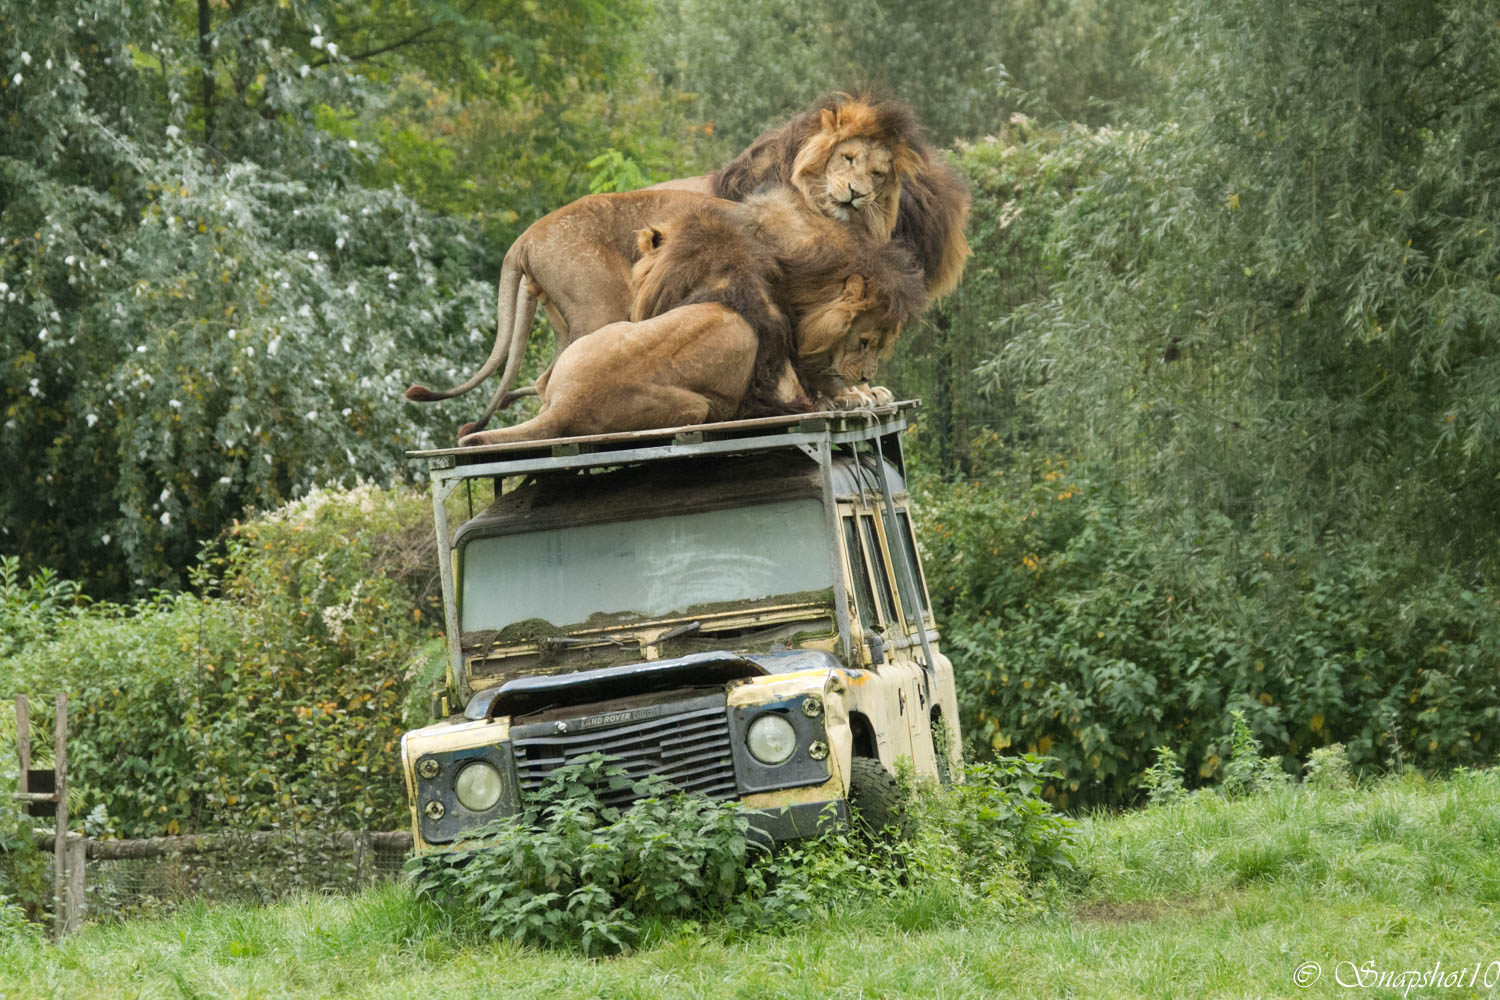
column 737, row 607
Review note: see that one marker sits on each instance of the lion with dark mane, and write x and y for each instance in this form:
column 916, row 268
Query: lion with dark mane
column 863, row 160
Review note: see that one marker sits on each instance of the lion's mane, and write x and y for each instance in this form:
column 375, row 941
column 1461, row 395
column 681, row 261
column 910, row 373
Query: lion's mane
column 934, row 199
column 706, row 255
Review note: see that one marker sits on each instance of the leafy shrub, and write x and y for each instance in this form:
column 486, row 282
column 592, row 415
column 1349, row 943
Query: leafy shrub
column 569, row 869
column 1328, row 767
column 1247, row 771
column 13, row 922
column 1081, row 630
column 998, row 815
column 1162, row 781
column 274, row 697
column 32, row 609
column 25, row 890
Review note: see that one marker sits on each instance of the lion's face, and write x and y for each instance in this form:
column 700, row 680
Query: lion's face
column 848, row 174
column 855, row 179
column 847, row 336
column 860, row 352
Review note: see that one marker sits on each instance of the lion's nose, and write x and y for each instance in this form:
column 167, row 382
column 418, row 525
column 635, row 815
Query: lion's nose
column 855, row 194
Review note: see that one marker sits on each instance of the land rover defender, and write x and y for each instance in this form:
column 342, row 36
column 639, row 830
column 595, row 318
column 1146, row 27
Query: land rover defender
column 737, row 607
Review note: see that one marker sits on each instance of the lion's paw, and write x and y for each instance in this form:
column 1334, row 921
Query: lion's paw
column 857, row 397
column 851, row 398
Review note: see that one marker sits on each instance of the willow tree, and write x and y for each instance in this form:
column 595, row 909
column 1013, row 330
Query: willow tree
column 1282, row 306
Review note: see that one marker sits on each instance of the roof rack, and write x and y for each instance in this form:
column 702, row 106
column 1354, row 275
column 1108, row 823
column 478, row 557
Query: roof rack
column 799, row 430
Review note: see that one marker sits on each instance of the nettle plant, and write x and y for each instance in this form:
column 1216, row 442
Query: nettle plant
column 571, row 870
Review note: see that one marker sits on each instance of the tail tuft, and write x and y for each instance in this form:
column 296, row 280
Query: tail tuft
column 421, row 394
column 470, row 428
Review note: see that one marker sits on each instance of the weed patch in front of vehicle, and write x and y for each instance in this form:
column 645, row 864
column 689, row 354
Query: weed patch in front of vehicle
column 573, row 871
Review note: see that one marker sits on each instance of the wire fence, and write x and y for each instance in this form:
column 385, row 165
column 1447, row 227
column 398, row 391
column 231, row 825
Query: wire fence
column 127, row 879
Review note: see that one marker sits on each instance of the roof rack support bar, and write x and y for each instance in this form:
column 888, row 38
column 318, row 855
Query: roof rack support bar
column 823, row 455
column 442, row 488
column 903, row 564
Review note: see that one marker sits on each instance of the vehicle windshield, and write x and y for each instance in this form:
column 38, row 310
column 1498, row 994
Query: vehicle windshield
column 646, row 569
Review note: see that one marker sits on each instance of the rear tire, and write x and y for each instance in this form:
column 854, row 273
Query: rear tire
column 876, row 801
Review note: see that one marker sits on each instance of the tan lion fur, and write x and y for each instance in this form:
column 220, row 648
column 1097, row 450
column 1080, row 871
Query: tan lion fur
column 575, row 262
column 705, row 342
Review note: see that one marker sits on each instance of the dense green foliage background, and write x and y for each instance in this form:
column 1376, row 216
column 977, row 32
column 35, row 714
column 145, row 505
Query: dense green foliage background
column 1211, row 424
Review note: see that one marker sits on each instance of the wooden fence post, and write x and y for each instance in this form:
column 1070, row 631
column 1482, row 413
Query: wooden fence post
column 78, row 847
column 23, row 740
column 60, row 846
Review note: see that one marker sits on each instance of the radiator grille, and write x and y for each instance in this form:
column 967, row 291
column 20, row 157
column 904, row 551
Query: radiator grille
column 690, row 748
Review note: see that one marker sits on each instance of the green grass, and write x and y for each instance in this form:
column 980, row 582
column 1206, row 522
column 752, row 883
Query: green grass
column 1205, row 898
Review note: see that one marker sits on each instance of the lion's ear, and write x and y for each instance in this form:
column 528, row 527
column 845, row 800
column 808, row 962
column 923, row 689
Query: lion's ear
column 828, row 120
column 854, row 289
column 648, row 239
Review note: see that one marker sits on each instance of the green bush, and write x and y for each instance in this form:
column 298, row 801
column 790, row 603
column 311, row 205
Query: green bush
column 274, row 697
column 1082, row 631
column 25, row 890
column 570, row 871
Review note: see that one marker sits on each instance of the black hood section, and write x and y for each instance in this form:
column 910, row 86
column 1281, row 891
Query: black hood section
column 529, row 694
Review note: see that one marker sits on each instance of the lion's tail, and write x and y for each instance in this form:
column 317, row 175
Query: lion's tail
column 547, row 424
column 499, row 401
column 515, row 308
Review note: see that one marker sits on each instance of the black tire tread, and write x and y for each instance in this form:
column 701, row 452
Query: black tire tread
column 876, row 798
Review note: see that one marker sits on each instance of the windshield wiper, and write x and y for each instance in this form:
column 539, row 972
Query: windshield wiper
column 683, row 629
column 552, row 643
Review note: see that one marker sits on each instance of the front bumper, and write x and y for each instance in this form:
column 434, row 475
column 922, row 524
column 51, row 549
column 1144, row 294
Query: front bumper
column 798, row 822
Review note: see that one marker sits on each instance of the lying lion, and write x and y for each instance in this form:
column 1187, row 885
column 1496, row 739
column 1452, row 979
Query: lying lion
column 706, row 340
column 577, row 262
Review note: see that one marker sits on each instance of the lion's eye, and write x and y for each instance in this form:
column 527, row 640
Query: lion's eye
column 879, row 175
column 849, row 157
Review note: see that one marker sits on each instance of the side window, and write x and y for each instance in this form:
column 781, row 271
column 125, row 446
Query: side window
column 877, row 565
column 864, row 597
column 908, row 542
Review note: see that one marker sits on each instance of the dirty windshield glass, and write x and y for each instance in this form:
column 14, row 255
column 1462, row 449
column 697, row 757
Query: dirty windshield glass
column 651, row 567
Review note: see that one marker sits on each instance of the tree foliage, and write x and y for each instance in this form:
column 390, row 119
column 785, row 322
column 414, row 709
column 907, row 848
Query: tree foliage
column 272, row 697
column 964, row 67
column 1269, row 349
column 213, row 287
column 1281, row 309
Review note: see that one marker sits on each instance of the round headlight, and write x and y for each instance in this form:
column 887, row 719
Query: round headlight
column 478, row 786
column 771, row 738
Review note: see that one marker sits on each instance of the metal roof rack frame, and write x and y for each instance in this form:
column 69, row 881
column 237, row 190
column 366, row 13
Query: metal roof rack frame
column 799, row 430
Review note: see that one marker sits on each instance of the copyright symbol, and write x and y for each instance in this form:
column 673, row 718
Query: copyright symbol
column 1307, row 973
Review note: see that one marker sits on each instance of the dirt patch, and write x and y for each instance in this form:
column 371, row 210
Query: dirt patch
column 1106, row 912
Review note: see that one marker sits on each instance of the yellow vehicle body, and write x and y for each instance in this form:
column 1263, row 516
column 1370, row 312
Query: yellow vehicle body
column 695, row 603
